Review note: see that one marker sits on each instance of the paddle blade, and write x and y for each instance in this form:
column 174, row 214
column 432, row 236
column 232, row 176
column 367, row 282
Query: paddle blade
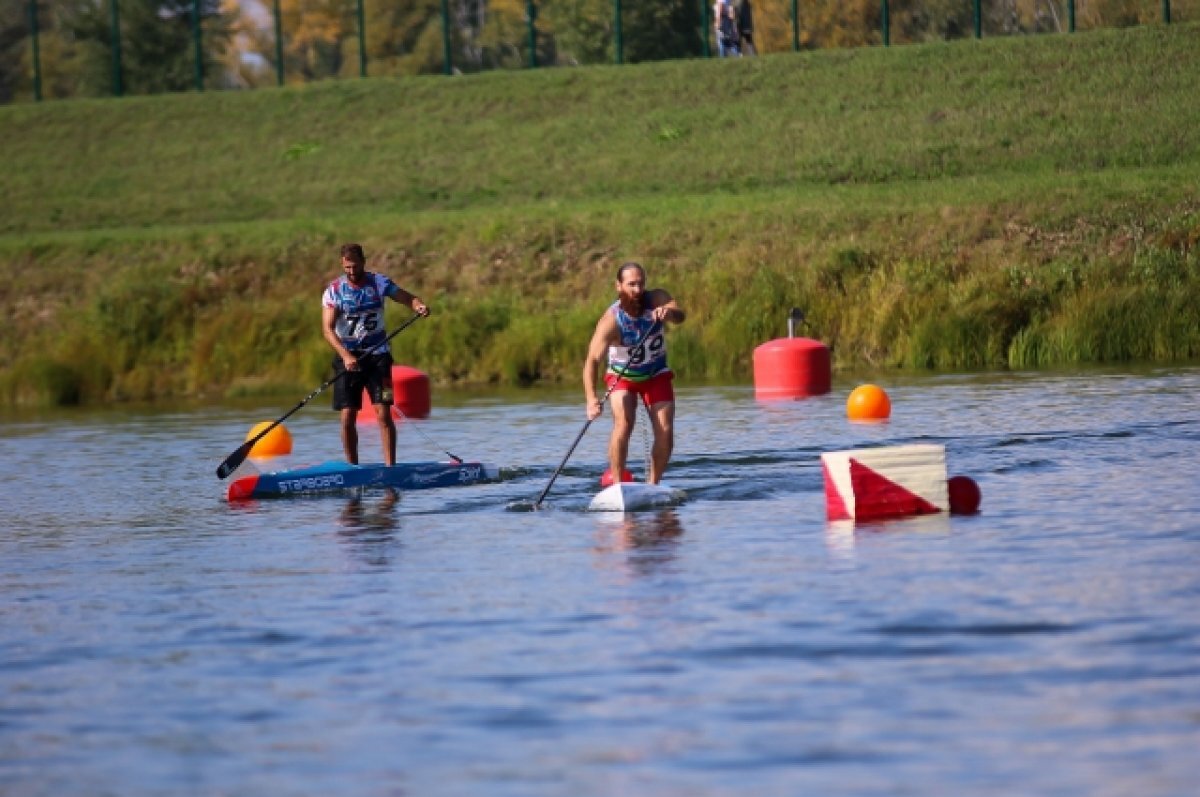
column 235, row 459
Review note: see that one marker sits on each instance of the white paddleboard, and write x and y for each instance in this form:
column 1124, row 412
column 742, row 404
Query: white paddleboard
column 632, row 496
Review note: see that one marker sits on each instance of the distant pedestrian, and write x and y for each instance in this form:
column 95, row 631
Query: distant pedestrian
column 727, row 30
column 745, row 26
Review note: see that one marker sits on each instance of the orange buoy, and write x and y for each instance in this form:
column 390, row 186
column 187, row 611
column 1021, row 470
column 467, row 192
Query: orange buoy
column 868, row 403
column 275, row 443
column 606, row 480
column 791, row 368
column 964, row 495
column 410, row 395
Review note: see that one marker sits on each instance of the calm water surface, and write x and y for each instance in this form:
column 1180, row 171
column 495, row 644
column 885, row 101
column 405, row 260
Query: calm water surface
column 157, row 640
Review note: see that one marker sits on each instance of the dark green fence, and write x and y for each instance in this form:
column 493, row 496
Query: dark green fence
column 690, row 23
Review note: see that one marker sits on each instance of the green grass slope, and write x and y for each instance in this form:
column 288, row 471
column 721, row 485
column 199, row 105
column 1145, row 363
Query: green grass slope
column 1008, row 202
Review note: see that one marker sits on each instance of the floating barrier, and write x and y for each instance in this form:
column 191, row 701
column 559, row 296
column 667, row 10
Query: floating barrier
column 889, row 482
column 791, row 367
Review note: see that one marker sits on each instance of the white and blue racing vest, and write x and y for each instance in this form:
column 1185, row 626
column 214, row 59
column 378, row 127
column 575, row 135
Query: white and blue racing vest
column 651, row 360
column 359, row 325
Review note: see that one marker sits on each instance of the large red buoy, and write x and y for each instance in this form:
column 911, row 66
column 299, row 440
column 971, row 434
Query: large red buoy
column 411, row 389
column 411, row 395
column 791, row 367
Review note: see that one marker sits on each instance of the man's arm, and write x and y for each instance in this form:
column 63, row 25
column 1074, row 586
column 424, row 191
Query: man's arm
column 407, row 299
column 665, row 307
column 605, row 334
column 328, row 319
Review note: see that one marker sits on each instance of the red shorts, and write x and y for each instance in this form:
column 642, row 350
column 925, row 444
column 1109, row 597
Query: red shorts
column 654, row 390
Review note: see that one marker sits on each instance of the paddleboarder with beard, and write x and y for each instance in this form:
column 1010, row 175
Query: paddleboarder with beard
column 634, row 372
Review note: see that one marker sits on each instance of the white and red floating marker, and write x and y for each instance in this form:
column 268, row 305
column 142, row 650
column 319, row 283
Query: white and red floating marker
column 890, row 482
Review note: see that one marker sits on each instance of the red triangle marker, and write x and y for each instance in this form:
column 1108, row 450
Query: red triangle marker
column 835, row 507
column 876, row 497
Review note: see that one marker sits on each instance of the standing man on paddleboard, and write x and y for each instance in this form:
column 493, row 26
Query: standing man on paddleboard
column 352, row 321
column 634, row 372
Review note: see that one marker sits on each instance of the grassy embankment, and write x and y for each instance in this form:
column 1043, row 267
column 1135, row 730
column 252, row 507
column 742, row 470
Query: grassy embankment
column 1010, row 202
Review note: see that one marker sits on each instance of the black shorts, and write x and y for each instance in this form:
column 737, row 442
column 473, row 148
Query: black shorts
column 374, row 373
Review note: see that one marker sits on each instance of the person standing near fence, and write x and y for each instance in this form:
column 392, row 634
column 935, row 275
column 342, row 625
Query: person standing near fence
column 726, row 27
column 745, row 27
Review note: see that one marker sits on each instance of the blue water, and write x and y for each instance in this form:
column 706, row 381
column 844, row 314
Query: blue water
column 157, row 640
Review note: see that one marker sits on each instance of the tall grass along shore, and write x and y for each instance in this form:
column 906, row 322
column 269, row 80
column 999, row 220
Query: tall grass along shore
column 1000, row 203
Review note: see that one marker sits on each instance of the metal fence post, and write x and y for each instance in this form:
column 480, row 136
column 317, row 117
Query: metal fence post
column 886, row 19
column 1070, row 16
column 362, row 41
column 37, row 54
column 115, row 23
column 198, row 44
column 278, row 45
column 447, row 66
column 618, row 39
column 978, row 19
column 1167, row 12
column 795, row 26
column 705, row 23
column 531, row 18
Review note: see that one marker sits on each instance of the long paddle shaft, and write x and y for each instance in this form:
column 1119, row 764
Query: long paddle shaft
column 636, row 352
column 235, row 459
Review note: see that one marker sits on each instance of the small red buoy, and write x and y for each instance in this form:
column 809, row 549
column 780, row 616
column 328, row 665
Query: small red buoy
column 964, row 495
column 791, row 368
column 607, row 480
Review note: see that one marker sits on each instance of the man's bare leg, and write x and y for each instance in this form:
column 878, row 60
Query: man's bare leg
column 350, row 434
column 624, row 411
column 387, row 432
column 662, row 419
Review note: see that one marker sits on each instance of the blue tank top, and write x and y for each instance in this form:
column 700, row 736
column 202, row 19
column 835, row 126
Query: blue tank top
column 359, row 323
column 651, row 361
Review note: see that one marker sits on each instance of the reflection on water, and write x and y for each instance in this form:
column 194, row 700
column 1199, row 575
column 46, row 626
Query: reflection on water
column 370, row 510
column 842, row 536
column 649, row 539
column 368, row 523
